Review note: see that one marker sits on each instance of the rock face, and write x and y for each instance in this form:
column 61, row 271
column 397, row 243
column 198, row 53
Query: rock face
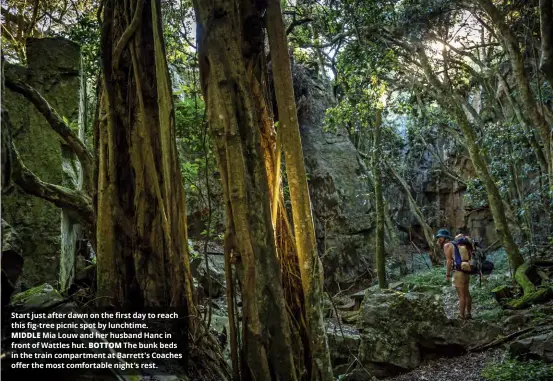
column 12, row 266
column 337, row 183
column 12, row 260
column 341, row 196
column 537, row 347
column 398, row 330
column 53, row 70
column 210, row 278
column 343, row 343
column 442, row 197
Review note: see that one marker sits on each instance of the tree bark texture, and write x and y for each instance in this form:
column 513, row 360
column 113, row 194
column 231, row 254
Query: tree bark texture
column 310, row 264
column 233, row 123
column 380, row 250
column 142, row 246
column 6, row 132
column 527, row 97
column 284, row 235
column 546, row 31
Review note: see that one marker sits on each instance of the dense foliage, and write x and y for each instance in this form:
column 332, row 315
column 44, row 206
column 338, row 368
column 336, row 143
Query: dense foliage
column 438, row 97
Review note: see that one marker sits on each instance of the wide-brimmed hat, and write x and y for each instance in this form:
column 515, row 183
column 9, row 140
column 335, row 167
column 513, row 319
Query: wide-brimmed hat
column 443, row 233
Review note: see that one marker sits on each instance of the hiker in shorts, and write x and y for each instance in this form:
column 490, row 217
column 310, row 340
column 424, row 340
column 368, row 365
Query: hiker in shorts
column 460, row 279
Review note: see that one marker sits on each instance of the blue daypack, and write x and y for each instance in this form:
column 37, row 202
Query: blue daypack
column 464, row 255
column 469, row 259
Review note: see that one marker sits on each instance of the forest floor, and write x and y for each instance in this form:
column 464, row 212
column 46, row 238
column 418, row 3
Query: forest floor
column 466, row 368
column 469, row 367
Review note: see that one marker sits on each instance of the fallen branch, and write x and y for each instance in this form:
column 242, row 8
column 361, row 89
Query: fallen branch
column 490, row 246
column 507, row 338
column 296, row 23
column 344, row 337
column 501, row 340
column 56, row 122
column 60, row 196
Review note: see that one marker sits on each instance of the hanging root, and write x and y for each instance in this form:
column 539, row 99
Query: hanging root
column 205, row 361
column 127, row 34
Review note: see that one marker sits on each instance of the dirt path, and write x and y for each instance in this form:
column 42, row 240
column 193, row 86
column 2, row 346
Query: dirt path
column 463, row 368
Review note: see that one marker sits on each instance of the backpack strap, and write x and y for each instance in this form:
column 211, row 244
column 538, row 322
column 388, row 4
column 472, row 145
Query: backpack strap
column 457, row 256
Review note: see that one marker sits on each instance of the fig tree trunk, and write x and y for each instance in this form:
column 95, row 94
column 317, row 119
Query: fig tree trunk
column 310, row 264
column 454, row 103
column 233, row 123
column 142, row 245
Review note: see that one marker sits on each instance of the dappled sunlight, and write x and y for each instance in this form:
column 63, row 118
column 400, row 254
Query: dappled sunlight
column 277, row 190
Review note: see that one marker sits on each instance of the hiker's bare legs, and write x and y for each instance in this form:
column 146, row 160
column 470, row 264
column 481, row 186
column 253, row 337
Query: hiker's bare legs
column 462, row 301
column 468, row 300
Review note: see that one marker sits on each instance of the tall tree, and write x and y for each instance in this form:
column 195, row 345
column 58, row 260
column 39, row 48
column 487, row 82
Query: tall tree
column 140, row 224
column 6, row 139
column 460, row 109
column 233, row 122
column 310, row 263
column 380, row 250
column 546, row 31
column 527, row 97
column 133, row 197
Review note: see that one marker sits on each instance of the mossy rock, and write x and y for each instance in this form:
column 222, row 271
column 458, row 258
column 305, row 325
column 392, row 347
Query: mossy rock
column 492, row 315
column 398, row 286
column 429, row 288
column 350, row 317
column 42, row 296
column 342, row 345
column 397, row 329
column 501, row 293
column 540, row 296
column 328, row 307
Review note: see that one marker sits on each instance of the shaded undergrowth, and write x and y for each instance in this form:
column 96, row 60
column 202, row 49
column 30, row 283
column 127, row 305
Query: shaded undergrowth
column 515, row 370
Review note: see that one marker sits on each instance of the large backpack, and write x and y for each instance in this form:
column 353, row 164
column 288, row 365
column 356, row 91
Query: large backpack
column 483, row 265
column 464, row 259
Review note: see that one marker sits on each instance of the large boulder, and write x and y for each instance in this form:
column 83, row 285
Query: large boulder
column 398, row 330
column 53, row 69
column 211, row 278
column 220, row 329
column 343, row 343
column 40, row 297
column 12, row 261
column 537, row 347
column 12, row 266
column 338, row 185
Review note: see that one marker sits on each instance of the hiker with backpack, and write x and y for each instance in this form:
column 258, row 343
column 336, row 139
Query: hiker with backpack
column 459, row 259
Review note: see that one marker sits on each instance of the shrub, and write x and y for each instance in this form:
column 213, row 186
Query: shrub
column 435, row 276
column 514, row 370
